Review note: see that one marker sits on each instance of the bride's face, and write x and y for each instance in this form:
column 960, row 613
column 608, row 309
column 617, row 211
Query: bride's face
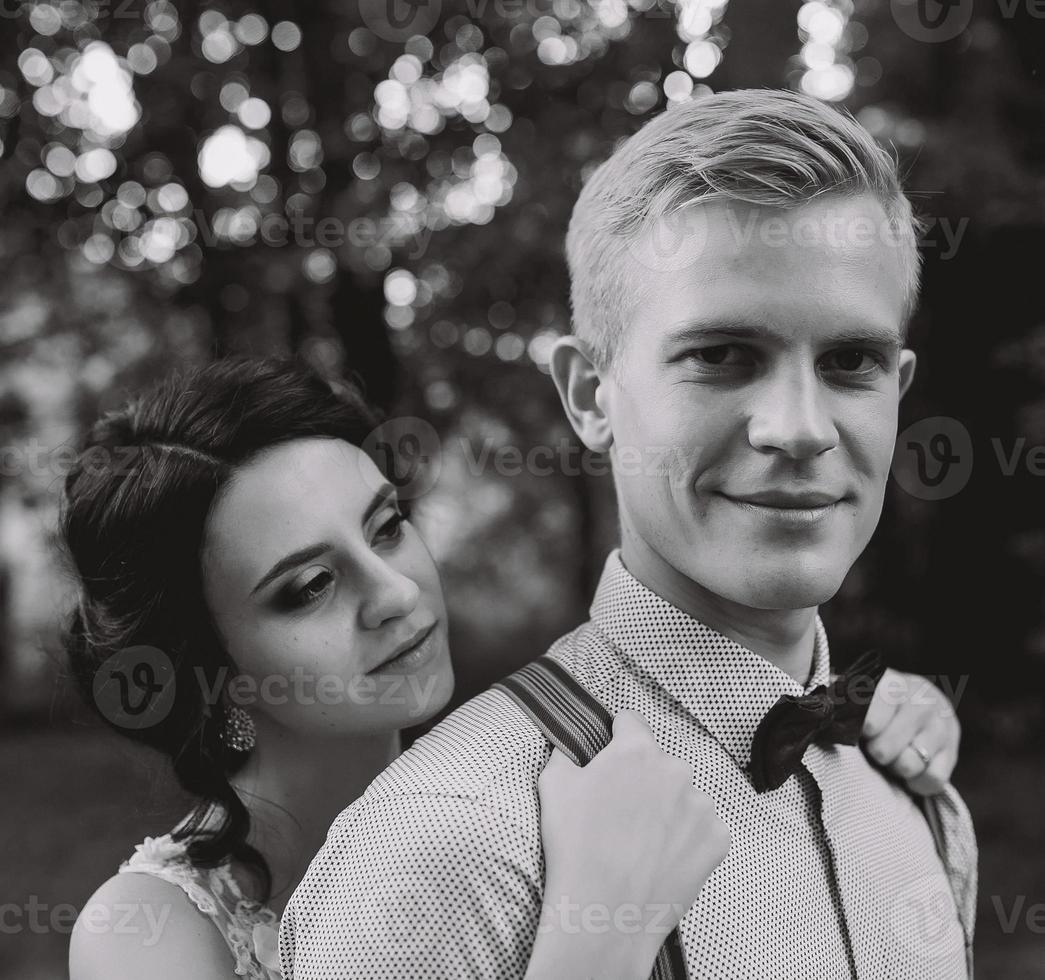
column 327, row 600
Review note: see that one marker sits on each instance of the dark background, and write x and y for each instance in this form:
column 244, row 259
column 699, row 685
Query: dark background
column 111, row 276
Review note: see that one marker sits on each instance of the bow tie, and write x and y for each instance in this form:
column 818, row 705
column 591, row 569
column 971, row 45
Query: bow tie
column 831, row 714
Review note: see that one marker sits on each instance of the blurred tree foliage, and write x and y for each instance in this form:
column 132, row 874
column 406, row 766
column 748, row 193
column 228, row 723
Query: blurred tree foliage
column 383, row 187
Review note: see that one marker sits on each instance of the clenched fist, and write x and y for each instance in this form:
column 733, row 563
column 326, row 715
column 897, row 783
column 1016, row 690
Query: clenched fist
column 628, row 845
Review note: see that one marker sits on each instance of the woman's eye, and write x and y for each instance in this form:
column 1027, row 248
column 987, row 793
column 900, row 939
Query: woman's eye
column 392, row 529
column 312, row 590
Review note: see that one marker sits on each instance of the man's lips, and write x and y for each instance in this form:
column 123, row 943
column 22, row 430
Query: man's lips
column 787, row 511
column 805, row 500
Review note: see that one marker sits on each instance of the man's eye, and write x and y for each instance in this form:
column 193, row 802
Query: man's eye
column 721, row 355
column 852, row 361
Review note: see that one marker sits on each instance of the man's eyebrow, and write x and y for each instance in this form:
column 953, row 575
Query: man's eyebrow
column 745, row 330
column 311, row 551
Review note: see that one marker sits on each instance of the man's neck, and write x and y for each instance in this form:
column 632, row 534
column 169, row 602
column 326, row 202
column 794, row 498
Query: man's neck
column 784, row 637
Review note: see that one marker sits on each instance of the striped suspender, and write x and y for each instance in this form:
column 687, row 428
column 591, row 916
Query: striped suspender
column 577, row 723
column 928, row 805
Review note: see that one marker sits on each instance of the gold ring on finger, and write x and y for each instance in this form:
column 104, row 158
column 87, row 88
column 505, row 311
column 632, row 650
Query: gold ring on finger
column 922, row 754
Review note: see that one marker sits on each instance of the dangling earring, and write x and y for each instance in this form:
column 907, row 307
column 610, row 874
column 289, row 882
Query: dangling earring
column 239, row 733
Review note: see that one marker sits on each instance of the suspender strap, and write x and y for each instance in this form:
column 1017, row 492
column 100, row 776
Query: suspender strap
column 928, row 806
column 579, row 725
column 932, row 818
column 569, row 715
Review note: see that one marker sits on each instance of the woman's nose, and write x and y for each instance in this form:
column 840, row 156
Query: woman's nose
column 388, row 594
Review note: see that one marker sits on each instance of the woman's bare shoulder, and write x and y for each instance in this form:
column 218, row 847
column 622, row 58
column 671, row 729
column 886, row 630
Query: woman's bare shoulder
column 139, row 925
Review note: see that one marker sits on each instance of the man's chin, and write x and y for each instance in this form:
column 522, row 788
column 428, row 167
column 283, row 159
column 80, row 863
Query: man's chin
column 792, row 598
column 758, row 583
column 791, row 591
column 789, row 583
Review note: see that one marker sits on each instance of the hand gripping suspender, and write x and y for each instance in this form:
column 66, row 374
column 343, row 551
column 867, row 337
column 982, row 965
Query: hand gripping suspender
column 574, row 721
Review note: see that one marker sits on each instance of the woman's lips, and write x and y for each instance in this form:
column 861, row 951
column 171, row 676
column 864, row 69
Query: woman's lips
column 411, row 655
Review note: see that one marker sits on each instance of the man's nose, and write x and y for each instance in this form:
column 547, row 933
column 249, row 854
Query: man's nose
column 791, row 415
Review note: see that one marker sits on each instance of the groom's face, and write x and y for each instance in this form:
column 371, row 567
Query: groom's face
column 759, row 386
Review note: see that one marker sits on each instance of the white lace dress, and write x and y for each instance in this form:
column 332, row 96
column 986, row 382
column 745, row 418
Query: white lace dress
column 250, row 929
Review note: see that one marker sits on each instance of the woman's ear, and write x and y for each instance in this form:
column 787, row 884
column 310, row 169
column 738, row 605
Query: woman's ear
column 582, row 393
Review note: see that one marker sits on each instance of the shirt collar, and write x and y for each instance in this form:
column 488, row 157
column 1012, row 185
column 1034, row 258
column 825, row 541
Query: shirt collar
column 725, row 686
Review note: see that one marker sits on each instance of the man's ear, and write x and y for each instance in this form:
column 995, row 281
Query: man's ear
column 578, row 383
column 908, row 360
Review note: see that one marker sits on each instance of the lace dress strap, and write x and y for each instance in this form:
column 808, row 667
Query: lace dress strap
column 250, row 929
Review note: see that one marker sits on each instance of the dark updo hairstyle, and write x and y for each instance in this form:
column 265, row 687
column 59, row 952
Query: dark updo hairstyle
column 134, row 530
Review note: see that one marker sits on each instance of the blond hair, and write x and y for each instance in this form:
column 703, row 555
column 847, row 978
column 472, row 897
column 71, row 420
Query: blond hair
column 758, row 146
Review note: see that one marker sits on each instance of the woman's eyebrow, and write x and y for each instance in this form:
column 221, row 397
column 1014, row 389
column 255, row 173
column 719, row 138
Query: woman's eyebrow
column 383, row 493
column 292, row 560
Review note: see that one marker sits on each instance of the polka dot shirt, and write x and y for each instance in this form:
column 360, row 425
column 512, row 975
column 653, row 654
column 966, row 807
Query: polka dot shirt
column 436, row 871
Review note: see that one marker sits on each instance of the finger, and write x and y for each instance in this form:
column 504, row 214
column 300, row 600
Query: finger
column 942, row 706
column 882, row 706
column 559, row 762
column 935, row 779
column 901, row 728
column 908, row 765
column 630, row 724
column 945, row 757
column 630, row 733
column 931, row 739
column 940, row 733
